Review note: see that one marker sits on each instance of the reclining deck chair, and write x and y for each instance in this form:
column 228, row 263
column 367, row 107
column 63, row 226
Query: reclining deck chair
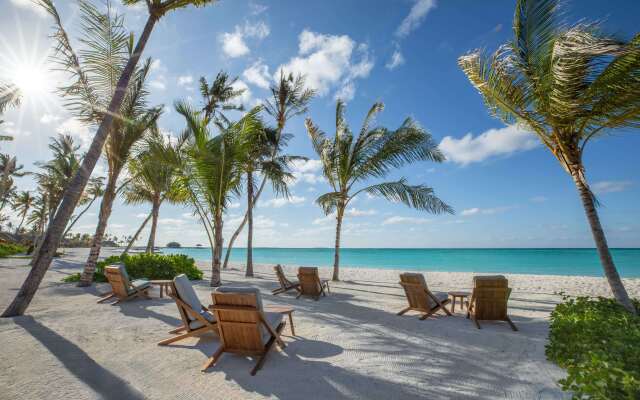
column 489, row 300
column 419, row 296
column 122, row 287
column 196, row 319
column 285, row 284
column 244, row 327
column 311, row 284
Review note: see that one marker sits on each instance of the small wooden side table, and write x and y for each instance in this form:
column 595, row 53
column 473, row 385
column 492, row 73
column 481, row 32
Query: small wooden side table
column 283, row 310
column 455, row 295
column 164, row 284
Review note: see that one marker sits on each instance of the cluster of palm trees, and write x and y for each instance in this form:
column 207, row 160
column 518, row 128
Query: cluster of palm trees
column 565, row 84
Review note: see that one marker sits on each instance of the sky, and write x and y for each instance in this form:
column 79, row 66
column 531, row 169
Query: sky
column 506, row 189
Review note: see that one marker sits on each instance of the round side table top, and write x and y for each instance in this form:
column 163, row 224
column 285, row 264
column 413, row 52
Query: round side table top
column 458, row 294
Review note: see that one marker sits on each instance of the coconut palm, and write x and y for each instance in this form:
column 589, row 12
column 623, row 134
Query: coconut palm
column 289, row 98
column 211, row 172
column 9, row 169
column 9, row 97
column 93, row 191
column 219, row 96
column 567, row 85
column 83, row 96
column 22, row 204
column 154, row 181
column 348, row 161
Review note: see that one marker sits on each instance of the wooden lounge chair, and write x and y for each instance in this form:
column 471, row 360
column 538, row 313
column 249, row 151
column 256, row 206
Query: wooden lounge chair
column 244, row 327
column 121, row 286
column 285, row 284
column 196, row 319
column 311, row 284
column 419, row 296
column 489, row 300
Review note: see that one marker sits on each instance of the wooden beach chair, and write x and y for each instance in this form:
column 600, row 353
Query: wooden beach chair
column 489, row 300
column 244, row 327
column 311, row 284
column 419, row 296
column 196, row 319
column 121, row 286
column 285, row 284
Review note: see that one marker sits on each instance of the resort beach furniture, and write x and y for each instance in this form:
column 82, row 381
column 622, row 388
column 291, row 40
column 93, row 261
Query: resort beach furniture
column 285, row 284
column 164, row 285
column 463, row 296
column 244, row 326
column 419, row 296
column 196, row 319
column 284, row 310
column 489, row 300
column 311, row 284
column 122, row 287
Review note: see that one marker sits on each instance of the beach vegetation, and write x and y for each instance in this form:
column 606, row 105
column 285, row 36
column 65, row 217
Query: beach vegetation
column 598, row 343
column 349, row 160
column 9, row 249
column 568, row 85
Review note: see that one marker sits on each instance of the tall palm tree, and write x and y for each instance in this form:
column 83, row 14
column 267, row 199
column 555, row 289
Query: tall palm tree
column 348, row 161
column 219, row 96
column 211, row 172
column 22, row 203
column 567, row 85
column 156, row 9
column 93, row 191
column 154, row 181
column 289, row 98
column 9, row 169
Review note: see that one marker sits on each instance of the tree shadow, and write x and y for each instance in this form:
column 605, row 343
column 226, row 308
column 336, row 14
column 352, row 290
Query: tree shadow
column 80, row 364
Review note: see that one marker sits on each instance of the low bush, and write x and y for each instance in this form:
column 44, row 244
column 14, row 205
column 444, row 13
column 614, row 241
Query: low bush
column 598, row 342
column 149, row 266
column 9, row 249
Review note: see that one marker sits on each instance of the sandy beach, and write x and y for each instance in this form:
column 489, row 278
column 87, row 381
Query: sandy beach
column 349, row 344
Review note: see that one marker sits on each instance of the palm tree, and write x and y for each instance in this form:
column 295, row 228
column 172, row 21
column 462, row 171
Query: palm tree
column 154, row 181
column 567, row 85
column 22, row 203
column 94, row 190
column 289, row 98
column 9, row 169
column 83, row 96
column 348, row 161
column 10, row 96
column 210, row 170
column 219, row 96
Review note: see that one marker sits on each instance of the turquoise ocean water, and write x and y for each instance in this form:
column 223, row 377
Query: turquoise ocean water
column 515, row 261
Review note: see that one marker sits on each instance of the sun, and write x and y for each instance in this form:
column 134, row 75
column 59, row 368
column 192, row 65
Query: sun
column 30, row 79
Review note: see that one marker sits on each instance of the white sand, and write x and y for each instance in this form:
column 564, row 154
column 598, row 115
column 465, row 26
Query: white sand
column 348, row 345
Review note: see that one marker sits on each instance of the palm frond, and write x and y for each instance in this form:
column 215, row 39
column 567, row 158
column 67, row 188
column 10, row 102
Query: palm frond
column 416, row 196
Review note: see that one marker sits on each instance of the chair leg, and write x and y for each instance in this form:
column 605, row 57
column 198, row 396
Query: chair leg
column 213, row 359
column 404, row 311
column 445, row 310
column 427, row 315
column 184, row 336
column 178, row 329
column 513, row 326
column 107, row 297
column 263, row 357
column 299, row 294
column 476, row 322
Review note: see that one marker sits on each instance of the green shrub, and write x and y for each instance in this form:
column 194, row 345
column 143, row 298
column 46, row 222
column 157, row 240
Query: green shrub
column 149, row 266
column 9, row 249
column 598, row 342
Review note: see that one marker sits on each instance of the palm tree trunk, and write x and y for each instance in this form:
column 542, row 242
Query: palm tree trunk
column 610, row 271
column 103, row 219
column 336, row 256
column 21, row 222
column 217, row 251
column 154, row 224
column 249, row 271
column 44, row 255
column 241, row 226
column 135, row 236
column 78, row 217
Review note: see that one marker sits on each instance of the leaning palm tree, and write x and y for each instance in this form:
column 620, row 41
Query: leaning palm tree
column 289, row 98
column 22, row 203
column 106, row 116
column 348, row 161
column 567, row 85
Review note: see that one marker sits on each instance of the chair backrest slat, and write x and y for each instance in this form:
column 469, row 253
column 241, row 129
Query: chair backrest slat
column 490, row 296
column 309, row 279
column 284, row 282
column 117, row 276
column 417, row 292
column 239, row 320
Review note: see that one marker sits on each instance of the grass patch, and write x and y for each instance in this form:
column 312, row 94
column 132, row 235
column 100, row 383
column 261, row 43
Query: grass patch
column 9, row 249
column 598, row 343
column 148, row 266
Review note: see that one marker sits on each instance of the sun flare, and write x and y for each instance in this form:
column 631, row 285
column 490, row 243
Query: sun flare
column 30, row 79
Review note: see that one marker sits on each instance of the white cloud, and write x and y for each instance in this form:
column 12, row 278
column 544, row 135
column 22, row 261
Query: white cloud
column 158, row 84
column 142, row 215
column 77, row 129
column 346, row 92
column 329, row 61
column 306, row 171
column 494, row 142
column 235, row 204
column 405, row 220
column 185, row 80
column 31, row 5
column 610, row 186
column 415, row 18
column 485, row 211
column 234, row 44
column 470, row 211
column 257, row 8
column 258, row 74
column 262, row 222
column 355, row 212
column 282, row 201
column 396, row 60
column 156, row 65
column 49, row 118
column 245, row 97
column 538, row 199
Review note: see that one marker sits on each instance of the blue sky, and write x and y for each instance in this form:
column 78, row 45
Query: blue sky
column 507, row 191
